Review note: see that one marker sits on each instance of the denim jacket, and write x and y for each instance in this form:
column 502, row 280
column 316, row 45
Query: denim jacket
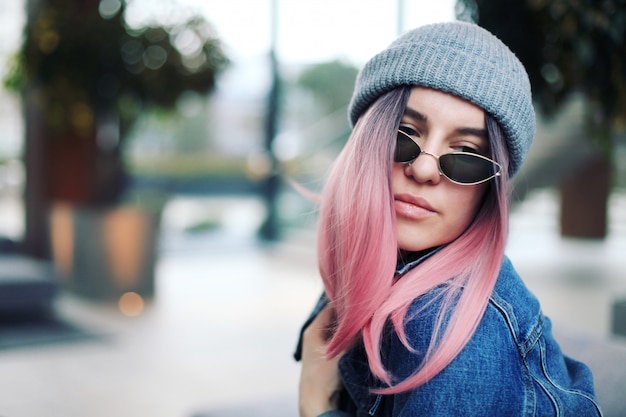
column 512, row 365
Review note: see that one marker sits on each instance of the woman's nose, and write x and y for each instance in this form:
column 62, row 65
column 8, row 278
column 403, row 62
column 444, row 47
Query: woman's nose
column 424, row 169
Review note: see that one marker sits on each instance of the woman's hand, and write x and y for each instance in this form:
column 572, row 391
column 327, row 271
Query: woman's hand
column 319, row 378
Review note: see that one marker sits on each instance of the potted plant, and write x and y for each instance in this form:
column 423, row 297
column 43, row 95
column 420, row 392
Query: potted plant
column 85, row 77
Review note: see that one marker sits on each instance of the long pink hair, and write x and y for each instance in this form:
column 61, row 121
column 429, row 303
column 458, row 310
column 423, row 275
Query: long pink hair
column 357, row 251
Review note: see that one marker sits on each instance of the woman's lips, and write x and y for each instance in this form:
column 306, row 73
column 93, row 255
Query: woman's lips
column 413, row 207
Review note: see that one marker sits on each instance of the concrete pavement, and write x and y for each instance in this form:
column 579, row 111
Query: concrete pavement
column 218, row 337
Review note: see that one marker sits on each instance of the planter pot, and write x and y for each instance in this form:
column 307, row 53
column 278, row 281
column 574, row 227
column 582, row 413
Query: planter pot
column 104, row 253
column 584, row 200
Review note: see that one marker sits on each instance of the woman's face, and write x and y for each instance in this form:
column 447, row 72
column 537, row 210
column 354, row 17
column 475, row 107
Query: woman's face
column 430, row 209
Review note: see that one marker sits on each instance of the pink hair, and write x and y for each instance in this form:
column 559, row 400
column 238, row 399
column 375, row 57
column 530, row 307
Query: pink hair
column 357, row 251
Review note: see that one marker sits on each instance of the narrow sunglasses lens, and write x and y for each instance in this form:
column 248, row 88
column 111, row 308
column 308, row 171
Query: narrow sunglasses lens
column 406, row 148
column 467, row 168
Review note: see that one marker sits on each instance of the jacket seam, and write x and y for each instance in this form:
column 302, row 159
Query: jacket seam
column 524, row 345
column 510, row 320
column 557, row 386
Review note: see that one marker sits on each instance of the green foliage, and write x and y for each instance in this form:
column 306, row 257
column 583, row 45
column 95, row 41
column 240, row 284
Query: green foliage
column 81, row 62
column 203, row 226
column 331, row 83
column 15, row 80
column 197, row 165
column 567, row 46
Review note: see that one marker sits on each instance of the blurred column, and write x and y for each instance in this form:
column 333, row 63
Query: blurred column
column 400, row 17
column 35, row 240
column 271, row 187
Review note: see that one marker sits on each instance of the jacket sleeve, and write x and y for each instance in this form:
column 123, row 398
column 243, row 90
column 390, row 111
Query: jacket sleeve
column 561, row 383
column 321, row 303
column 335, row 413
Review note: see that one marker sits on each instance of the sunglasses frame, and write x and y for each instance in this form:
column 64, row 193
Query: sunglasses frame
column 497, row 165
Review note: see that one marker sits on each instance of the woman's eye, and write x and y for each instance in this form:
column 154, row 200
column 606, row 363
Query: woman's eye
column 466, row 148
column 410, row 131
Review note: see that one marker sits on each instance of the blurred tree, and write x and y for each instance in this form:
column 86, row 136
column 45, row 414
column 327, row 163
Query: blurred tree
column 86, row 76
column 331, row 83
column 569, row 47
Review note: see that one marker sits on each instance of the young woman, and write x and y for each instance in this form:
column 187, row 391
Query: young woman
column 422, row 313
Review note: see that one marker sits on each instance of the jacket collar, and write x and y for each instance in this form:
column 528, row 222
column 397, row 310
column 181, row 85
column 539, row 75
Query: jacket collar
column 407, row 262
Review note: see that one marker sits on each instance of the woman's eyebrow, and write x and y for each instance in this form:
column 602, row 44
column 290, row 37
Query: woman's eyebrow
column 414, row 114
column 472, row 131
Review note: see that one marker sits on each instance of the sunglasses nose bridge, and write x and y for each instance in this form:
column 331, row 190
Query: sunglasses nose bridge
column 435, row 157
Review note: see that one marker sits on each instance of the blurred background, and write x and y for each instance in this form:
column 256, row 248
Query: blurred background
column 155, row 259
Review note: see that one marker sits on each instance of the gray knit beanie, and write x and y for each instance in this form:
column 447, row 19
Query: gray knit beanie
column 462, row 59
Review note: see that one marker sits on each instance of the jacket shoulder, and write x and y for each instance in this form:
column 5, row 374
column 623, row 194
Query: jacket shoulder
column 512, row 365
column 552, row 381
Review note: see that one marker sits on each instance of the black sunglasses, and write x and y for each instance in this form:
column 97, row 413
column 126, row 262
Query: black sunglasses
column 463, row 168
